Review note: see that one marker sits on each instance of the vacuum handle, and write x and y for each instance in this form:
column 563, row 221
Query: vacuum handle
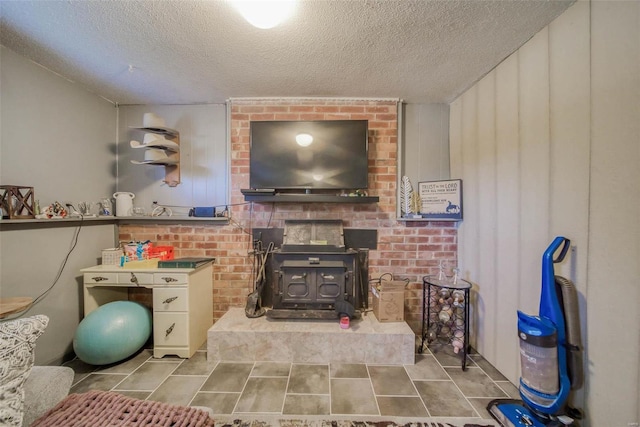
column 563, row 252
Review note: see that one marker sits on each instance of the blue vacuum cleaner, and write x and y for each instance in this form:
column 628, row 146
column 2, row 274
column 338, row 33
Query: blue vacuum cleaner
column 550, row 354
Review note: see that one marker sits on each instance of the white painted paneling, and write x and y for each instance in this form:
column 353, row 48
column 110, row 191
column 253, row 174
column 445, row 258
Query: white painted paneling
column 614, row 226
column 455, row 137
column 468, row 261
column 426, row 142
column 411, row 154
column 565, row 158
column 203, row 157
column 570, row 133
column 468, row 228
column 456, row 141
column 484, row 338
column 508, row 220
column 534, row 166
column 570, row 148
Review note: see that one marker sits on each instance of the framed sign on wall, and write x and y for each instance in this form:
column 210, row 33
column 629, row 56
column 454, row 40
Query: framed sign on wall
column 441, row 200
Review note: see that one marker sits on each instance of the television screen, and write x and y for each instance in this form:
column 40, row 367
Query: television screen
column 309, row 155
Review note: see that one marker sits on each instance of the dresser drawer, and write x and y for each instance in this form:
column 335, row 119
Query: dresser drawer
column 135, row 278
column 170, row 278
column 100, row 278
column 170, row 299
column 170, row 329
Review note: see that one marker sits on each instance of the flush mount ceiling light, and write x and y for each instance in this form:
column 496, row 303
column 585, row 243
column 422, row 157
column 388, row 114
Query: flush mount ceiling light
column 304, row 139
column 265, row 14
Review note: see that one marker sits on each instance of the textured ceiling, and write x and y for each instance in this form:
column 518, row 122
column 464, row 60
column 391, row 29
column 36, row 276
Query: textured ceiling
column 184, row 52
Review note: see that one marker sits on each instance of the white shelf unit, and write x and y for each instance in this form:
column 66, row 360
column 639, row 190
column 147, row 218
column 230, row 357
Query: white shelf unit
column 170, row 146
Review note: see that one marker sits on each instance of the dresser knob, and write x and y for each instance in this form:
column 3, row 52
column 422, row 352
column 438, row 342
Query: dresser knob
column 99, row 279
column 169, row 279
column 169, row 300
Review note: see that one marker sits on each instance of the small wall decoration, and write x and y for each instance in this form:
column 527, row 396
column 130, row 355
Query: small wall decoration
column 441, row 200
column 406, row 194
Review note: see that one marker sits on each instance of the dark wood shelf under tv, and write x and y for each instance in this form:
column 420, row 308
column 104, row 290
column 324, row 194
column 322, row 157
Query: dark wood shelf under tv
column 308, row 198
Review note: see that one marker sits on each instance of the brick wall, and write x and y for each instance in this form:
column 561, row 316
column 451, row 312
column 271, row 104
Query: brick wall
column 406, row 250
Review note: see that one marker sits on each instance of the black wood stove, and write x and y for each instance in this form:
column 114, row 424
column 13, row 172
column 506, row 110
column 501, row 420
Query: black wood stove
column 314, row 276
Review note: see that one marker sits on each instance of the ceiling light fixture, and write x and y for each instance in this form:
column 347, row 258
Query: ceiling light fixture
column 265, row 14
column 304, row 139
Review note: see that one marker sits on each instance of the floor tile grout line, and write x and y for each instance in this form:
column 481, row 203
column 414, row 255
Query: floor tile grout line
column 189, row 375
column 375, row 398
column 205, row 381
column 218, row 392
column 308, row 394
column 330, row 394
column 244, row 386
column 461, row 392
column 158, row 386
column 268, row 376
column 486, row 397
column 130, row 373
column 494, row 383
column 418, row 392
column 505, row 391
column 286, row 389
column 477, row 366
column 96, row 371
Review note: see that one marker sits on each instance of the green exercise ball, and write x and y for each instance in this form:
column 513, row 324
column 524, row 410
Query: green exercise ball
column 112, row 332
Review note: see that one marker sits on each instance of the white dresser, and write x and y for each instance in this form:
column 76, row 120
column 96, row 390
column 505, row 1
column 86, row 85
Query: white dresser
column 182, row 301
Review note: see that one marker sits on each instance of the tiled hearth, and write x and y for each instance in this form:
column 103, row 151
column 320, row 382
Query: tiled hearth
column 237, row 338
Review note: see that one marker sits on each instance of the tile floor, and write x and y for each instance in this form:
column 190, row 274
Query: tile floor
column 435, row 386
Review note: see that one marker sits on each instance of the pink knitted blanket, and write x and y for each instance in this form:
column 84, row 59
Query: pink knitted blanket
column 105, row 408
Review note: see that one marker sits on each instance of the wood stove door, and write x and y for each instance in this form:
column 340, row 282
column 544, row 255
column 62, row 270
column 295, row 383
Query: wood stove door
column 297, row 285
column 311, row 285
column 330, row 284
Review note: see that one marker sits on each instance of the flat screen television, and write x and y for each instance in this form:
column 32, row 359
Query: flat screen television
column 309, row 155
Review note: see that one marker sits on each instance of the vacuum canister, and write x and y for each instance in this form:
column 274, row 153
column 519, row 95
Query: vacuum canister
column 538, row 354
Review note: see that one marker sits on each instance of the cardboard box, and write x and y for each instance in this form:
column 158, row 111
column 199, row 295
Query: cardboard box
column 388, row 301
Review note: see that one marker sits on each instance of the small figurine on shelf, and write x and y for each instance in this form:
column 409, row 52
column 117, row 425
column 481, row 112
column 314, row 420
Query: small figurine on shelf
column 85, row 208
column 105, row 207
column 53, row 211
column 406, row 192
column 416, row 204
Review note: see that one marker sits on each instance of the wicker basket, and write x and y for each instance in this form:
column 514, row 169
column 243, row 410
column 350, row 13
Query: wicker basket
column 111, row 256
